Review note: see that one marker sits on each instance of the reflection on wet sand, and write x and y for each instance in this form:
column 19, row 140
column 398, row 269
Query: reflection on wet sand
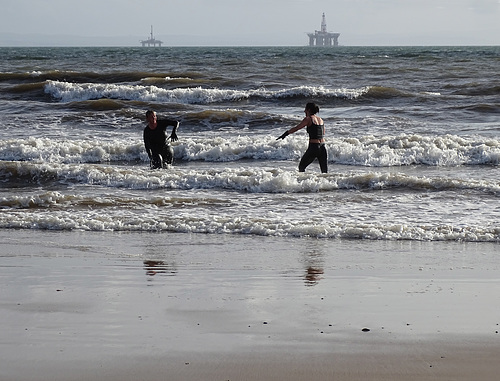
column 153, row 268
column 313, row 260
column 313, row 275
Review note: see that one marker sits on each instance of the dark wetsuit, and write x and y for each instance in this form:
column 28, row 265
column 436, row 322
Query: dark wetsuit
column 156, row 142
column 315, row 150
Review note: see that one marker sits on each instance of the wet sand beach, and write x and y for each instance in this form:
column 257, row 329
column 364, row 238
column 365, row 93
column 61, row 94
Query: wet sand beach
column 162, row 306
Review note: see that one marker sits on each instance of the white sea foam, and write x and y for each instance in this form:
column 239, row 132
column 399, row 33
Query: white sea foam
column 365, row 151
column 244, row 179
column 72, row 92
column 245, row 223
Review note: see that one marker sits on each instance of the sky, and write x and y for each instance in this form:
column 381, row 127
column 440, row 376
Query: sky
column 248, row 22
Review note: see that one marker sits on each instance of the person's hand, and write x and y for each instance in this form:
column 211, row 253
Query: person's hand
column 285, row 134
column 174, row 137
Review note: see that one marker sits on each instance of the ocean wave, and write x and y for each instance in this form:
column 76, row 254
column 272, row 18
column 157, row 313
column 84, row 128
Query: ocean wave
column 59, row 199
column 178, row 81
column 86, row 76
column 365, row 151
column 388, row 151
column 161, row 89
column 478, row 90
column 229, row 117
column 381, row 92
column 73, row 92
column 27, row 87
column 242, row 179
column 88, row 219
column 486, row 108
column 70, row 151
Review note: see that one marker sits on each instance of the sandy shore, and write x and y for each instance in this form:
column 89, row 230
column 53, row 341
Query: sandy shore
column 140, row 306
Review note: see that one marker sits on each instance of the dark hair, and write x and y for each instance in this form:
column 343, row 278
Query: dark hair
column 312, row 107
column 149, row 112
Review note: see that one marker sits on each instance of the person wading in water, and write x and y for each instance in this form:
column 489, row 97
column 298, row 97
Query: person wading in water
column 156, row 141
column 316, row 131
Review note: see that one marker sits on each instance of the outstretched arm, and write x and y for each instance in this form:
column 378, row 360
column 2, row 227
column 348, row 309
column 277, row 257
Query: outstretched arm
column 305, row 122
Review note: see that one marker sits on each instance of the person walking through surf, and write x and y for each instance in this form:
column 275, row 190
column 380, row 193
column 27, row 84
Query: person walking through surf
column 316, row 131
column 156, row 141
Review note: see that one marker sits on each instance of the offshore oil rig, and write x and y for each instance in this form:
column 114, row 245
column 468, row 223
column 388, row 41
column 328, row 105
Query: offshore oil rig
column 322, row 37
column 151, row 40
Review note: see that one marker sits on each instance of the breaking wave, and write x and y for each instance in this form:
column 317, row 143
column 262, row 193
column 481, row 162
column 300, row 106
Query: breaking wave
column 365, row 151
column 242, row 179
column 73, row 92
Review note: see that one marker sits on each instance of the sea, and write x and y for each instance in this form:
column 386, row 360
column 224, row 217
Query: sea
column 412, row 135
